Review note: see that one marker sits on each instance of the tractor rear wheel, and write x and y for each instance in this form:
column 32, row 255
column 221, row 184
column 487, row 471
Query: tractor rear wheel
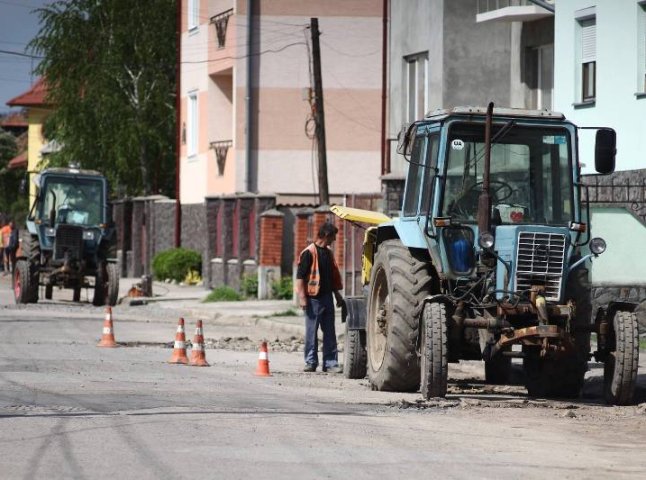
column 434, row 350
column 112, row 290
column 620, row 368
column 399, row 283
column 49, row 291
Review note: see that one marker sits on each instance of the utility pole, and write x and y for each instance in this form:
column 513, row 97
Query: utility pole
column 178, row 128
column 319, row 116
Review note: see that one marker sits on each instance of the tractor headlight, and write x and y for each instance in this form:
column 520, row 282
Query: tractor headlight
column 50, row 232
column 597, row 245
column 486, row 240
column 88, row 235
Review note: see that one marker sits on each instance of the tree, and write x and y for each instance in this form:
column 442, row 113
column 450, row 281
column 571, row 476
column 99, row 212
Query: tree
column 109, row 66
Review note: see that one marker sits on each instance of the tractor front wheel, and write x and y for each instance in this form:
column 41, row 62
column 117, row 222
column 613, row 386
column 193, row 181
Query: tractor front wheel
column 25, row 282
column 620, row 368
column 434, row 350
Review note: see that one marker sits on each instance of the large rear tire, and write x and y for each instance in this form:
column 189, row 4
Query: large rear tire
column 620, row 369
column 434, row 350
column 399, row 283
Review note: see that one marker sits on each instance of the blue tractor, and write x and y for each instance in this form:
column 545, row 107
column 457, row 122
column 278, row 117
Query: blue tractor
column 488, row 260
column 72, row 239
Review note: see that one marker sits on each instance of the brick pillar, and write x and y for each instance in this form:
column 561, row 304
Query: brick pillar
column 303, row 234
column 270, row 251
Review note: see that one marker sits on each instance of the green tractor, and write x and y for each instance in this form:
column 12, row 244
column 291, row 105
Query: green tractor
column 488, row 261
column 72, row 239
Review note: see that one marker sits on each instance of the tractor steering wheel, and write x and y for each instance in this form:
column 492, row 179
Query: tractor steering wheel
column 466, row 205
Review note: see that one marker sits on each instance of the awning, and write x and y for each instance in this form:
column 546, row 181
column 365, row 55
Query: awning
column 19, row 161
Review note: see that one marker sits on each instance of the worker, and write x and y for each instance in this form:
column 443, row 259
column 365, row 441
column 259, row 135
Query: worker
column 317, row 279
column 5, row 236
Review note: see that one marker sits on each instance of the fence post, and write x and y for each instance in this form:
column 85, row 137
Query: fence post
column 270, row 251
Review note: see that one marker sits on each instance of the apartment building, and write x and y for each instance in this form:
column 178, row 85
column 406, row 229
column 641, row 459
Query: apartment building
column 246, row 91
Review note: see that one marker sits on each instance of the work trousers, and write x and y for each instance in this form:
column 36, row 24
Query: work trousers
column 320, row 313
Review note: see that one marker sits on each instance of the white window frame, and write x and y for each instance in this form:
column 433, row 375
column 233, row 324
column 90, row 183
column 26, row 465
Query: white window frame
column 641, row 47
column 415, row 71
column 193, row 14
column 192, row 125
column 586, row 62
column 541, row 54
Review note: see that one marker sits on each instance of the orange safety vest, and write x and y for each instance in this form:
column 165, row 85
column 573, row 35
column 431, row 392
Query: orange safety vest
column 314, row 280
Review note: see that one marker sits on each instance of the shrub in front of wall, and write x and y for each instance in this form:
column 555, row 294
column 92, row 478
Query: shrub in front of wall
column 283, row 289
column 176, row 264
column 249, row 286
column 223, row 294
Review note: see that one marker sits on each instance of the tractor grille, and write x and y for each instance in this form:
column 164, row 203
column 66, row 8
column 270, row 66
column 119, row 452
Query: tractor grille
column 69, row 239
column 540, row 261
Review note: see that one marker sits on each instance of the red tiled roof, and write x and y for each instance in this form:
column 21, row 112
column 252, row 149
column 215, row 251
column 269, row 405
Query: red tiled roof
column 34, row 97
column 19, row 161
column 17, row 119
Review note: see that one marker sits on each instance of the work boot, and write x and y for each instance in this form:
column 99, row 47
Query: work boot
column 334, row 369
column 309, row 368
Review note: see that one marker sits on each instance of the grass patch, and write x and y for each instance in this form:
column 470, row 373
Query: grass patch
column 642, row 343
column 287, row 313
column 223, row 294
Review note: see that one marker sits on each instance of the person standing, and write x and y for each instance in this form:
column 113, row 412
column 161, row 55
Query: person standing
column 12, row 246
column 5, row 236
column 317, row 279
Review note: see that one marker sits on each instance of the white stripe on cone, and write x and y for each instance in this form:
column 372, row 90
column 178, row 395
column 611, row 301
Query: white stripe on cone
column 198, row 347
column 179, row 344
column 262, row 356
column 107, row 330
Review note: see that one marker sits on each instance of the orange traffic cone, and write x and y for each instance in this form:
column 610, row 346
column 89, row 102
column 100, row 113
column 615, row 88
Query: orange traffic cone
column 107, row 339
column 179, row 349
column 198, row 356
column 263, row 361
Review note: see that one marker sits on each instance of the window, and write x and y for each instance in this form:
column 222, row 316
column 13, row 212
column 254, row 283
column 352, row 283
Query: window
column 641, row 47
column 416, row 81
column 193, row 14
column 541, row 66
column 530, row 174
column 588, row 58
column 192, row 127
column 414, row 178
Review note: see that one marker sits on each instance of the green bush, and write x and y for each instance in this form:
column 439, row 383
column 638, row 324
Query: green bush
column 283, row 288
column 176, row 264
column 223, row 294
column 249, row 286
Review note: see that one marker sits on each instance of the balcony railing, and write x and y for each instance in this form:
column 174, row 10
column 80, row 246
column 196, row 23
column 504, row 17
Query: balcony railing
column 485, row 6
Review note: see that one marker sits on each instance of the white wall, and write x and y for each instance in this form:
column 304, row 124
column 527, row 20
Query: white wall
column 616, row 104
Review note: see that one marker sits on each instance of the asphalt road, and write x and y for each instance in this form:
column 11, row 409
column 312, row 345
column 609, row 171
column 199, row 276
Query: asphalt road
column 71, row 410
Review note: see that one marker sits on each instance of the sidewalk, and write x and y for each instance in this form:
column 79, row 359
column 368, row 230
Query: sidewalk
column 189, row 298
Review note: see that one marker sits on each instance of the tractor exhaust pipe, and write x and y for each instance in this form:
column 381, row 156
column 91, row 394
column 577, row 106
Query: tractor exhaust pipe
column 484, row 201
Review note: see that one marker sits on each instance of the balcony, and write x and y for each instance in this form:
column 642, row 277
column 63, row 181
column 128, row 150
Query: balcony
column 511, row 11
